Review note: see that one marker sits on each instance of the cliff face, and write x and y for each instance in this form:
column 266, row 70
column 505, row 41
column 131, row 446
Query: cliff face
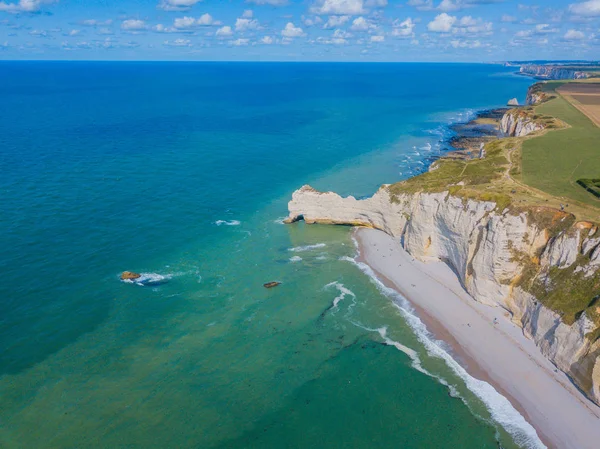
column 517, row 123
column 535, row 95
column 552, row 72
column 491, row 251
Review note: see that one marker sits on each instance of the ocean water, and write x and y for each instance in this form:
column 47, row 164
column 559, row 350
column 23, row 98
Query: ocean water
column 182, row 171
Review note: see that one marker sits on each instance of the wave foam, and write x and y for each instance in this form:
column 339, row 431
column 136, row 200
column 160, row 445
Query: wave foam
column 343, row 293
column 299, row 249
column 228, row 223
column 499, row 407
column 149, row 279
column 295, row 259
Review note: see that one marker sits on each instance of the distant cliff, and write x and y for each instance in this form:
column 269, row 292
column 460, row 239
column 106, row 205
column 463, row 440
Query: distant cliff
column 551, row 72
column 536, row 94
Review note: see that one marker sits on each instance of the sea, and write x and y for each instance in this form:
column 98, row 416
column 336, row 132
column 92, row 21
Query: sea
column 182, row 171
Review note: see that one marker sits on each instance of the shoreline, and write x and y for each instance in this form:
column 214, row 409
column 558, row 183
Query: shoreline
column 493, row 351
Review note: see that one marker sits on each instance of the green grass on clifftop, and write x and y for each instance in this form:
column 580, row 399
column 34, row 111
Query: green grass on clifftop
column 555, row 161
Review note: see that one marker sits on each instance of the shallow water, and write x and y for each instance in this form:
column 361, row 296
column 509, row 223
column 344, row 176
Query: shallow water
column 183, row 171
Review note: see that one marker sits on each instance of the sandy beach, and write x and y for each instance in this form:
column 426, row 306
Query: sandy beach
column 487, row 344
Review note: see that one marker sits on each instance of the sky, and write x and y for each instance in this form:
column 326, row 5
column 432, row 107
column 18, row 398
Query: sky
column 300, row 30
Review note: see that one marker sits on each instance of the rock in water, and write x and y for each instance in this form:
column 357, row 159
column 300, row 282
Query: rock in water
column 129, row 275
column 513, row 102
column 271, row 284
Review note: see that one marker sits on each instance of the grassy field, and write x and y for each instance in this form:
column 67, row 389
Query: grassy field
column 555, row 161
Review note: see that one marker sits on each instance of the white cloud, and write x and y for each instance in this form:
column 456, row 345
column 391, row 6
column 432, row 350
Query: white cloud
column 360, row 24
column 376, row 3
column 467, row 21
column 178, row 43
column 336, row 21
column 246, row 24
column 267, row 40
column 341, row 34
column 421, row 5
column 177, row 5
column 442, row 23
column 291, row 31
column 339, row 37
column 403, row 29
column 74, row 32
column 133, row 25
column 590, row 8
column 470, row 25
column 206, row 20
column 574, row 35
column 508, row 19
column 377, row 38
column 240, row 42
column 449, row 5
column 311, row 21
column 458, row 43
column 544, row 28
column 224, row 31
column 160, row 28
column 338, row 7
column 187, row 23
column 248, row 14
column 539, row 30
column 184, row 23
column 29, row 6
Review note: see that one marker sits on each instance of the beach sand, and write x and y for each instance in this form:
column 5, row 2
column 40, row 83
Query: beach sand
column 493, row 351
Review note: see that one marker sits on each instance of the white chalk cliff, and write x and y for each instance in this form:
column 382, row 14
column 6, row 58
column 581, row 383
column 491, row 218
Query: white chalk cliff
column 552, row 72
column 490, row 251
column 535, row 95
column 516, row 123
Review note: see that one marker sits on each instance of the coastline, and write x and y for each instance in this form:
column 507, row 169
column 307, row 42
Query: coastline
column 496, row 352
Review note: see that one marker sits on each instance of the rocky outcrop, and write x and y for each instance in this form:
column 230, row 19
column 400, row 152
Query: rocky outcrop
column 130, row 275
column 536, row 95
column 491, row 251
column 552, row 72
column 519, row 123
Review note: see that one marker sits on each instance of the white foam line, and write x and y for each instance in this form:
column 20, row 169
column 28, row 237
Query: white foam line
column 500, row 408
column 150, row 279
column 228, row 223
column 343, row 292
column 299, row 249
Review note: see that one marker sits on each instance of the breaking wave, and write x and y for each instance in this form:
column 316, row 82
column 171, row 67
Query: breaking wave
column 343, row 293
column 149, row 279
column 299, row 249
column 499, row 407
column 228, row 223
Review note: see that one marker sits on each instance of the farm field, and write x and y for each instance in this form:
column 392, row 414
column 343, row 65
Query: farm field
column 555, row 161
column 585, row 97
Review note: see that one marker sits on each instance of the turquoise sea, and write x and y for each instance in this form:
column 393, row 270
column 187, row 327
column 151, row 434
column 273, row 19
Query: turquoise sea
column 182, row 171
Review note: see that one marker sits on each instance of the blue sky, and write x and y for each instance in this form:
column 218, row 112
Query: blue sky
column 313, row 30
